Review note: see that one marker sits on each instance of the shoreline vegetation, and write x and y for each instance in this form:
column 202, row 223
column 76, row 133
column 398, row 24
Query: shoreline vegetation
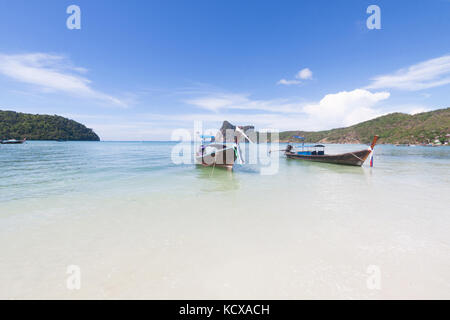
column 17, row 125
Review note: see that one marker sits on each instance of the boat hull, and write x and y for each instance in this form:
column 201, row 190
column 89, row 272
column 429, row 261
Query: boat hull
column 13, row 142
column 356, row 158
column 222, row 157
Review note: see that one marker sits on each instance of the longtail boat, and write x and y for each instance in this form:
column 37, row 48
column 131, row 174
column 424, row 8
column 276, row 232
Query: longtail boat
column 219, row 154
column 13, row 141
column 317, row 153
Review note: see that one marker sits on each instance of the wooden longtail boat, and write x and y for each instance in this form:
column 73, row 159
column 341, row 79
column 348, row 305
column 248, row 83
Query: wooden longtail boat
column 317, row 153
column 13, row 141
column 219, row 154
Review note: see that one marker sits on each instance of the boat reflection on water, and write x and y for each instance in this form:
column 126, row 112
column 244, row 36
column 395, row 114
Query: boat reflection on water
column 216, row 180
column 323, row 166
column 327, row 173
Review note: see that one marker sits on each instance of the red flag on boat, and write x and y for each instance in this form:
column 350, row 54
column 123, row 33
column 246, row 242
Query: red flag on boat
column 375, row 138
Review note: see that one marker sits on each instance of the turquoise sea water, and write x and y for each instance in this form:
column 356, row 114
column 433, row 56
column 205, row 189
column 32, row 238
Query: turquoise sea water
column 140, row 226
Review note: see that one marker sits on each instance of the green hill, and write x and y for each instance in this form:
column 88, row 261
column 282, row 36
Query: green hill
column 395, row 128
column 16, row 125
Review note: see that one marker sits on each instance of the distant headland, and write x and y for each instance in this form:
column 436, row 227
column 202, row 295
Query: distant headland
column 16, row 125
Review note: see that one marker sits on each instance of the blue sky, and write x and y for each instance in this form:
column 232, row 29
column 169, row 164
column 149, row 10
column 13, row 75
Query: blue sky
column 137, row 70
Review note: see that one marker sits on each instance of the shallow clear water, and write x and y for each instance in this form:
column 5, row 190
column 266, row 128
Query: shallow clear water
column 140, row 226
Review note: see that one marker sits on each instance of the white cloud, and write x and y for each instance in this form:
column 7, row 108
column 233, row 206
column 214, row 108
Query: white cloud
column 288, row 82
column 333, row 110
column 52, row 73
column 424, row 75
column 304, row 74
column 226, row 101
column 344, row 108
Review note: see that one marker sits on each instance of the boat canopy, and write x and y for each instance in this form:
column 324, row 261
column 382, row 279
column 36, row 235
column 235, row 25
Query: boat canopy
column 206, row 137
column 298, row 137
column 309, row 149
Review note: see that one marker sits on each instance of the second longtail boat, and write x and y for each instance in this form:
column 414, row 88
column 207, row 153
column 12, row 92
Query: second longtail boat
column 317, row 153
